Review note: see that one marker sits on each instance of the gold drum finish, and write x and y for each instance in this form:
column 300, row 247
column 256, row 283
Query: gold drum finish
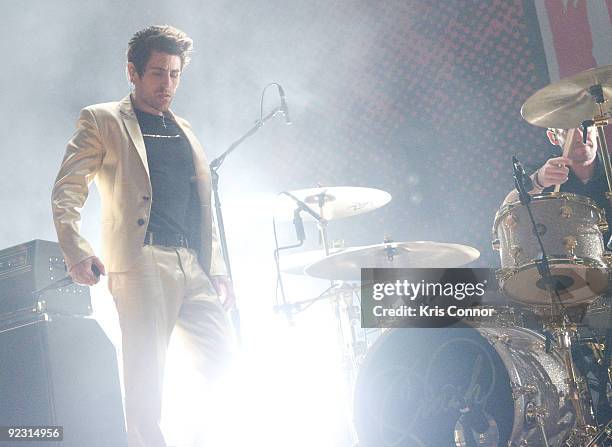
column 571, row 228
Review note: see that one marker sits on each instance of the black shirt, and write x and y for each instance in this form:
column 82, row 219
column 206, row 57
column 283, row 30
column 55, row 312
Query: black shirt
column 595, row 189
column 174, row 207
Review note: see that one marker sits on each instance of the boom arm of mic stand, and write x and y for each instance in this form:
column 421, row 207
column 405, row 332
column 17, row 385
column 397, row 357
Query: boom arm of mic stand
column 321, row 221
column 215, row 165
column 217, row 162
column 305, row 207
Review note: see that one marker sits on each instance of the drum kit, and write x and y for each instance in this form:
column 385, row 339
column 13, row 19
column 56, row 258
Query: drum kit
column 543, row 383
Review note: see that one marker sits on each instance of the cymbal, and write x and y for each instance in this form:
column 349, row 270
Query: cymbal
column 566, row 103
column 347, row 265
column 334, row 202
column 295, row 263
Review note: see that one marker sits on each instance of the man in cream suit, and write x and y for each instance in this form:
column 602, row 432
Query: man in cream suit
column 160, row 246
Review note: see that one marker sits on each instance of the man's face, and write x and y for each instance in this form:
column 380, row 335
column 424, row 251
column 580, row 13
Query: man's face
column 154, row 90
column 580, row 153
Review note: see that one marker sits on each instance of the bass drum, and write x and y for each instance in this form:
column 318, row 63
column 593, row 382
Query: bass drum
column 461, row 387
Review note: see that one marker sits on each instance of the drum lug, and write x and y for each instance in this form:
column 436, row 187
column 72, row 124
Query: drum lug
column 603, row 227
column 515, row 253
column 570, row 243
column 566, row 211
column 534, row 414
column 522, row 390
column 495, row 244
column 603, row 222
column 511, row 221
column 503, row 274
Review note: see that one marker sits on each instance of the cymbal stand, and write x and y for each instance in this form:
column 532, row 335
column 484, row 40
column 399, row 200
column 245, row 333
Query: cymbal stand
column 605, row 434
column 340, row 297
column 586, row 427
column 600, row 121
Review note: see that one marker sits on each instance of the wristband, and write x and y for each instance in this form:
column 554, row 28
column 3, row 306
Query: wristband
column 536, row 180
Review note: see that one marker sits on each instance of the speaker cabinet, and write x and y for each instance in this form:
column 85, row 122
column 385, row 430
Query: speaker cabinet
column 61, row 371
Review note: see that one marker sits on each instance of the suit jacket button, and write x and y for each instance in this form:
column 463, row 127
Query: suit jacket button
column 141, row 221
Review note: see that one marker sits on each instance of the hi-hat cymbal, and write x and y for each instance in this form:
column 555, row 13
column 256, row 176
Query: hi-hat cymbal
column 334, row 202
column 347, row 265
column 566, row 103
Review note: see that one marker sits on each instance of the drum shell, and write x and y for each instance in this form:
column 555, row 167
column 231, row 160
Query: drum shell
column 392, row 378
column 570, row 227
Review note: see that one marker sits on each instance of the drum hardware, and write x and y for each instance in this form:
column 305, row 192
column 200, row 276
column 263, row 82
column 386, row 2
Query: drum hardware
column 390, row 251
column 570, row 243
column 523, row 390
column 560, row 331
column 574, row 244
column 295, row 263
column 515, row 253
column 605, row 434
column 553, row 284
column 495, row 244
column 578, row 393
column 566, row 211
column 347, row 265
column 410, row 372
column 299, row 206
column 536, row 415
column 333, row 202
column 595, row 347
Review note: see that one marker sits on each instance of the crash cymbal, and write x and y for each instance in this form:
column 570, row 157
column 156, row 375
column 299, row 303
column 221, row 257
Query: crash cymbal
column 334, row 202
column 566, row 103
column 347, row 265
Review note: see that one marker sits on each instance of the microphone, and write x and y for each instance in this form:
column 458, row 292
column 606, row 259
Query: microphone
column 299, row 225
column 525, row 180
column 283, row 107
column 522, row 182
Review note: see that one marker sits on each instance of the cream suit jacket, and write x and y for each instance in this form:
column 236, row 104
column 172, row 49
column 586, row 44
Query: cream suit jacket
column 108, row 147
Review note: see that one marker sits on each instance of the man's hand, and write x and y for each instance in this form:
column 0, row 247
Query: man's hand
column 83, row 273
column 554, row 171
column 225, row 290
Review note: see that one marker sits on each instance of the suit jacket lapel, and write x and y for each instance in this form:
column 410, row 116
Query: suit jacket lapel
column 133, row 128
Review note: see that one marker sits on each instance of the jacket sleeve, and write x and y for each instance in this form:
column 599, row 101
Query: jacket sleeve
column 83, row 158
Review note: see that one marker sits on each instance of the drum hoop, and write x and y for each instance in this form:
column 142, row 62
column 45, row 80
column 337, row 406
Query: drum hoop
column 504, row 274
column 546, row 196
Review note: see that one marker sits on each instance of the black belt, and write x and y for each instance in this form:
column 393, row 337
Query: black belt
column 166, row 239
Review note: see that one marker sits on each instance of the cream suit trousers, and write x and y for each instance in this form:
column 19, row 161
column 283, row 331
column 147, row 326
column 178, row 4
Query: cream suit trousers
column 165, row 290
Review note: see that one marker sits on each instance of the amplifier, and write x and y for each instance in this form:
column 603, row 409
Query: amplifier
column 32, row 266
column 59, row 370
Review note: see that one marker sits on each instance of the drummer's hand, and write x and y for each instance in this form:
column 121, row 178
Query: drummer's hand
column 554, row 171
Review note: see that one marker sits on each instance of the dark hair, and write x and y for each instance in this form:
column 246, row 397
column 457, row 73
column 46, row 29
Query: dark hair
column 162, row 38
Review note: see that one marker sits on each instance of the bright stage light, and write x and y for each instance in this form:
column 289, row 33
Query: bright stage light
column 288, row 387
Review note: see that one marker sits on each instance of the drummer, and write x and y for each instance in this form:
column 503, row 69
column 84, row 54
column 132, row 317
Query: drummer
column 581, row 172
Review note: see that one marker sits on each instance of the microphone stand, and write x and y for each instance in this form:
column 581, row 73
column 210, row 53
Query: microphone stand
column 302, row 206
column 542, row 264
column 562, row 332
column 215, row 165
